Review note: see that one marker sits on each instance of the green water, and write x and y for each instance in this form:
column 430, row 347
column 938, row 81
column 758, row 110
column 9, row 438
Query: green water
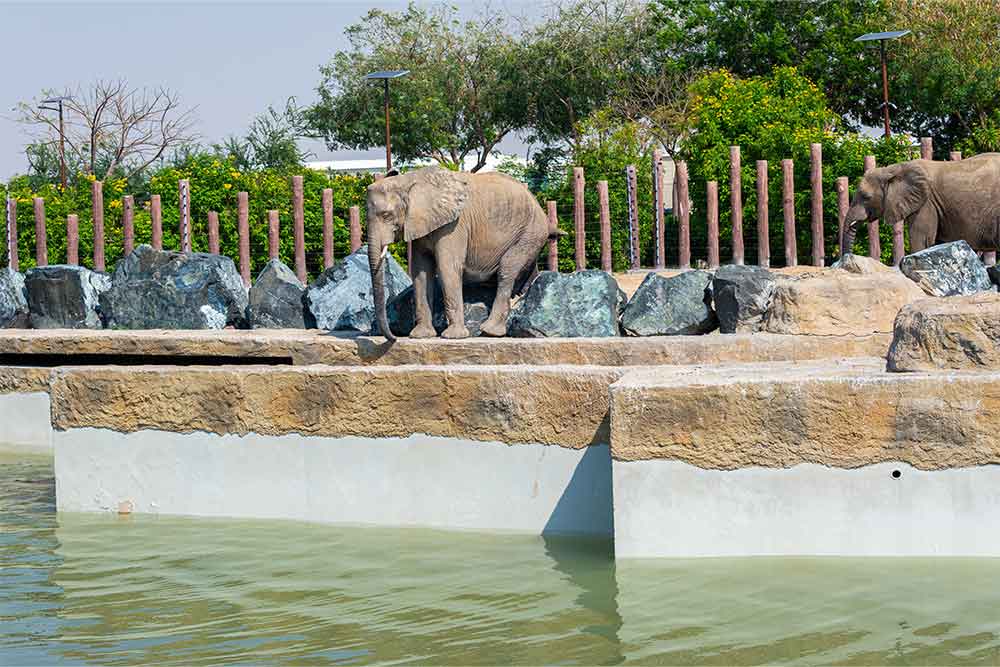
column 140, row 590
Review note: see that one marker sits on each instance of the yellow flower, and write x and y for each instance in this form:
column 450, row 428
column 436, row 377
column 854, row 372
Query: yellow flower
column 227, row 185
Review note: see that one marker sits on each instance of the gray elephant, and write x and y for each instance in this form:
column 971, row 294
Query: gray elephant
column 469, row 227
column 940, row 202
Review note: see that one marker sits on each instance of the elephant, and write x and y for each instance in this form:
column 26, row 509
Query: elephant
column 469, row 227
column 940, row 202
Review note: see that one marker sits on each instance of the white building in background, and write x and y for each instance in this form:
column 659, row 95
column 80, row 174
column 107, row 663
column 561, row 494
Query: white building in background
column 377, row 165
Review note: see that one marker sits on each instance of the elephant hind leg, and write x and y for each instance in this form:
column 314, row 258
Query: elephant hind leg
column 512, row 268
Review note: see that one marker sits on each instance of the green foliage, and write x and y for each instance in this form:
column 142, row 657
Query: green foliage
column 271, row 142
column 773, row 118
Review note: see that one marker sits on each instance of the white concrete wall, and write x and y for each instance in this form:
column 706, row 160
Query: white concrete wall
column 414, row 481
column 25, row 423
column 674, row 509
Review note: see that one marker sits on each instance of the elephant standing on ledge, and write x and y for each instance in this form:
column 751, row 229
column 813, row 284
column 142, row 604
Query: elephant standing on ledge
column 939, row 201
column 469, row 227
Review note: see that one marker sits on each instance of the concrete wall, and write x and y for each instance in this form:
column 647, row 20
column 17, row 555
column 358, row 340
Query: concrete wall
column 413, row 481
column 674, row 509
column 25, row 423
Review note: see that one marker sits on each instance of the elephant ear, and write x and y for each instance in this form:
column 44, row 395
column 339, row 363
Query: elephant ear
column 906, row 190
column 436, row 198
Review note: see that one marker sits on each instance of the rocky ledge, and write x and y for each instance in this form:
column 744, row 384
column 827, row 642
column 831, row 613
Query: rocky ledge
column 956, row 333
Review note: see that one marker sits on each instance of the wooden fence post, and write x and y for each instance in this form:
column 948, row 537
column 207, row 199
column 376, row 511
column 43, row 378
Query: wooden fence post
column 243, row 229
column 605, row 209
column 299, row 227
column 355, row 216
column 11, row 211
column 659, row 201
column 682, row 207
column 874, row 246
column 184, row 209
column 97, row 213
column 736, row 202
column 273, row 236
column 156, row 218
column 128, row 224
column 926, row 148
column 763, row 233
column 553, row 258
column 712, row 213
column 73, row 239
column 816, row 178
column 843, row 203
column 631, row 185
column 955, row 156
column 788, row 209
column 213, row 232
column 579, row 219
column 41, row 241
column 327, row 228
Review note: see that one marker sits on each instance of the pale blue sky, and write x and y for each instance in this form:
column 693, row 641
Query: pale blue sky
column 230, row 59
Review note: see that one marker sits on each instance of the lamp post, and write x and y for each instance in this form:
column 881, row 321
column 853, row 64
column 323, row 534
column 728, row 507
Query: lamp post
column 62, row 134
column 882, row 38
column 385, row 77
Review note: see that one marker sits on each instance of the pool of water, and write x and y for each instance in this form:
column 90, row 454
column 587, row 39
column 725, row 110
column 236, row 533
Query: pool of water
column 136, row 590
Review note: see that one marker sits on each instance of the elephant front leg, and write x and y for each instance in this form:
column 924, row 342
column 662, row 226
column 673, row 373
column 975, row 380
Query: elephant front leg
column 450, row 272
column 422, row 295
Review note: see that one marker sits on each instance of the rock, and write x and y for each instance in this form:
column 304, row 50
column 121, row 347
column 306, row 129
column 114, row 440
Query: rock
column 861, row 264
column 681, row 305
column 478, row 300
column 276, row 299
column 65, row 297
column 742, row 295
column 163, row 289
column 994, row 273
column 834, row 302
column 341, row 298
column 958, row 333
column 585, row 303
column 948, row 269
column 13, row 300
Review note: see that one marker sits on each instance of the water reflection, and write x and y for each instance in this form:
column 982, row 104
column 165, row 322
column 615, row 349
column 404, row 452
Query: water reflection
column 111, row 590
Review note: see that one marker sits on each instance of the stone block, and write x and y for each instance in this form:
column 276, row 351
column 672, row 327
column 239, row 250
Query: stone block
column 680, row 305
column 742, row 295
column 13, row 300
column 65, row 297
column 569, row 305
column 961, row 332
column 276, row 299
column 948, row 269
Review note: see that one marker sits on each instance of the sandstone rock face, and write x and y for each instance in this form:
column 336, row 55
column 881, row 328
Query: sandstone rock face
column 276, row 299
column 585, row 303
column 742, row 295
column 949, row 269
column 956, row 333
column 861, row 264
column 671, row 306
column 162, row 289
column 65, row 297
column 861, row 300
column 341, row 298
column 13, row 300
column 478, row 300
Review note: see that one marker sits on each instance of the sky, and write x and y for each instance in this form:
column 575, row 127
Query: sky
column 229, row 59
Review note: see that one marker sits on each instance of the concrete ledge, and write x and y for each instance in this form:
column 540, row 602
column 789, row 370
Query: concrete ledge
column 844, row 414
column 315, row 347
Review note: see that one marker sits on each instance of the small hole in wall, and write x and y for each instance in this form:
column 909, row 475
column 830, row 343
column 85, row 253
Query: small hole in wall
column 896, row 474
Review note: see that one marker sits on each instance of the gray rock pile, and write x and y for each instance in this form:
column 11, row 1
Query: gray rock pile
column 948, row 269
column 65, row 297
column 341, row 298
column 742, row 295
column 571, row 305
column 276, row 299
column 680, row 305
column 13, row 300
column 478, row 300
column 161, row 289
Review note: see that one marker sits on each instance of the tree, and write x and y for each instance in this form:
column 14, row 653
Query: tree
column 271, row 142
column 112, row 128
column 464, row 94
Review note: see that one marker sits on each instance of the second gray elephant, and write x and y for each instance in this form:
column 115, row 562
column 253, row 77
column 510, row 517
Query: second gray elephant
column 940, row 202
column 466, row 227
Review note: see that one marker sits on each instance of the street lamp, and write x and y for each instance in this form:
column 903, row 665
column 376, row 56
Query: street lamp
column 385, row 77
column 62, row 134
column 882, row 38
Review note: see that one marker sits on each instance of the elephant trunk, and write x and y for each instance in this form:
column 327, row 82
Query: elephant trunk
column 855, row 215
column 376, row 263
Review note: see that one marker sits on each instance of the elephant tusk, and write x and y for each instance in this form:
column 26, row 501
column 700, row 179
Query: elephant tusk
column 385, row 251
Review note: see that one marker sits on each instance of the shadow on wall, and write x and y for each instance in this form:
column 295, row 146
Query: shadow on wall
column 585, row 507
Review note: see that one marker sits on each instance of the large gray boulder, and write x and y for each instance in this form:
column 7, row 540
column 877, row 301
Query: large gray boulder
column 680, row 305
column 65, row 297
column 571, row 305
column 742, row 295
column 948, row 269
column 13, row 300
column 478, row 300
column 276, row 299
column 341, row 298
column 162, row 289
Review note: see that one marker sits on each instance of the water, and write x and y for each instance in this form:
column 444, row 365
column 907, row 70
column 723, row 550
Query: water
column 138, row 590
